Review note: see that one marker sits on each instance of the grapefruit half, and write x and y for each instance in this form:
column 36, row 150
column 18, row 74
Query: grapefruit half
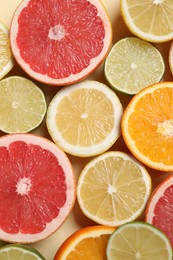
column 37, row 188
column 60, row 42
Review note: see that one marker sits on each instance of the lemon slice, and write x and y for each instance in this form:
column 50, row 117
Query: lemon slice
column 133, row 64
column 149, row 20
column 6, row 60
column 84, row 119
column 19, row 252
column 22, row 105
column 113, row 189
column 138, row 240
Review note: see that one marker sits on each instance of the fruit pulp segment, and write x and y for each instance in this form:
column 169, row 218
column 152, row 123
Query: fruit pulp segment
column 59, row 38
column 5, row 52
column 113, row 189
column 17, row 254
column 159, row 12
column 163, row 213
column 150, row 125
column 138, row 243
column 85, row 117
column 32, row 187
column 89, row 246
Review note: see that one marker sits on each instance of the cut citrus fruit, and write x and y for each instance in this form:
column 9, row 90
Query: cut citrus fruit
column 6, row 59
column 23, row 102
column 37, row 188
column 85, row 244
column 170, row 55
column 138, row 240
column 113, row 189
column 19, row 252
column 133, row 64
column 60, row 42
column 149, row 20
column 159, row 207
column 84, row 118
column 147, row 126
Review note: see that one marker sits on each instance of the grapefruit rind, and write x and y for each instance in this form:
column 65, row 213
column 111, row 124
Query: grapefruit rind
column 73, row 78
column 53, row 225
column 160, row 166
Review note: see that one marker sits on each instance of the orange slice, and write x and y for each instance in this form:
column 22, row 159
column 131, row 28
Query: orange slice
column 147, row 126
column 85, row 244
column 60, row 42
column 159, row 208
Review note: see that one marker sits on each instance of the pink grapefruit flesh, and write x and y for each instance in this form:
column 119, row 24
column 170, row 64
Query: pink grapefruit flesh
column 60, row 42
column 37, row 188
column 159, row 211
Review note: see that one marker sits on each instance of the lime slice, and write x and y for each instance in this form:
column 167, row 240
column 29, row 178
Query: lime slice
column 138, row 240
column 23, row 102
column 133, row 64
column 19, row 252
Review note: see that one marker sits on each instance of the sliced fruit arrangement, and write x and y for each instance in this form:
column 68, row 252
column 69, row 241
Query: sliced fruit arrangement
column 133, row 64
column 84, row 118
column 37, row 188
column 18, row 252
column 113, row 189
column 22, row 105
column 85, row 243
column 159, row 210
column 60, row 42
column 138, row 240
column 147, row 126
column 149, row 20
column 6, row 59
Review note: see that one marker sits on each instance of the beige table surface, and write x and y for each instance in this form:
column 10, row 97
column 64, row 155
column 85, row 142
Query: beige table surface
column 77, row 220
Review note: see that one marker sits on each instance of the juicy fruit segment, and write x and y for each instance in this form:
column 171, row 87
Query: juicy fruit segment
column 84, row 119
column 6, row 60
column 56, row 42
column 23, row 102
column 138, row 240
column 85, row 243
column 159, row 208
column 37, row 188
column 19, row 252
column 149, row 20
column 113, row 189
column 147, row 126
column 133, row 64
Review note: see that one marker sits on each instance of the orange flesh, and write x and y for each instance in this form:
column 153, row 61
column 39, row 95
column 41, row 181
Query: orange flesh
column 151, row 125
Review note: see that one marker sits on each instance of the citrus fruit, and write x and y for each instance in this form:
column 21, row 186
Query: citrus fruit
column 84, row 118
column 138, row 240
column 60, row 42
column 170, row 56
column 133, row 64
column 147, row 126
column 149, row 20
column 85, row 243
column 159, row 207
column 23, row 102
column 113, row 189
column 37, row 188
column 19, row 252
column 6, row 59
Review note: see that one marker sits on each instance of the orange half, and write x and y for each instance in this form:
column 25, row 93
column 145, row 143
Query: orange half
column 147, row 126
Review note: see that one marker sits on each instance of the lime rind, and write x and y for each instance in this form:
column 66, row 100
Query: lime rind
column 23, row 249
column 133, row 64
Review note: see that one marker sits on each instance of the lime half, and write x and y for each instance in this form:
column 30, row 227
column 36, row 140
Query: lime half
column 19, row 252
column 138, row 240
column 133, row 64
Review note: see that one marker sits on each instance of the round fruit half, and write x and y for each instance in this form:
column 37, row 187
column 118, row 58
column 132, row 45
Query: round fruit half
column 60, row 42
column 37, row 188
